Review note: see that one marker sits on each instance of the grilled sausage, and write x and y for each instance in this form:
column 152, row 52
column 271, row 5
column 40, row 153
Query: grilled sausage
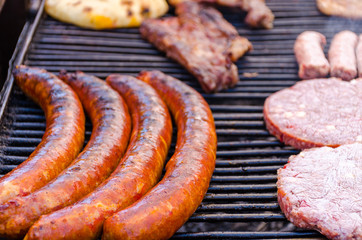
column 342, row 55
column 139, row 170
column 167, row 206
column 308, row 50
column 63, row 137
column 111, row 130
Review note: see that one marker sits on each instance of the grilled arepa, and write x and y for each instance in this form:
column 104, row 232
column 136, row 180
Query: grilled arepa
column 103, row 14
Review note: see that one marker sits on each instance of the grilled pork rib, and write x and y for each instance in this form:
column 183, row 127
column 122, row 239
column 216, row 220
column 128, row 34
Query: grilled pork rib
column 202, row 41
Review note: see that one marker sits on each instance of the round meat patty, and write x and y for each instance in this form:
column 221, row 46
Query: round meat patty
column 321, row 189
column 316, row 113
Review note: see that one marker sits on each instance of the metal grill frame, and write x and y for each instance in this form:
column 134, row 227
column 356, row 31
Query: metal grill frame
column 241, row 201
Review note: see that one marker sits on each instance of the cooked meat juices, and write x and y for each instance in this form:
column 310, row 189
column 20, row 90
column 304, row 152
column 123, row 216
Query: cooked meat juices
column 63, row 137
column 359, row 56
column 258, row 16
column 167, row 206
column 110, row 134
column 202, row 41
column 342, row 55
column 138, row 171
column 321, row 188
column 308, row 50
column 321, row 112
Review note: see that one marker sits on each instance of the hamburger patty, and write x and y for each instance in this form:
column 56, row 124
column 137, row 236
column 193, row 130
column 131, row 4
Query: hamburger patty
column 316, row 113
column 321, row 188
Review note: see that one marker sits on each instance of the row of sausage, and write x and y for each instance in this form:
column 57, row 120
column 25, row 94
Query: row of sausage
column 344, row 55
column 60, row 194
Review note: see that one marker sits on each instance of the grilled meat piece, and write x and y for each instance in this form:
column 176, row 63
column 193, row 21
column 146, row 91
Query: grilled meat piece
column 259, row 15
column 308, row 50
column 342, row 8
column 321, row 189
column 202, row 41
column 342, row 55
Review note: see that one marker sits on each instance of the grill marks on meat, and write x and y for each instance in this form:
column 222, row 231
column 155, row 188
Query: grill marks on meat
column 167, row 206
column 110, row 134
column 321, row 189
column 258, row 13
column 63, row 137
column 342, row 55
column 308, row 50
column 202, row 41
column 315, row 113
column 359, row 56
column 138, row 171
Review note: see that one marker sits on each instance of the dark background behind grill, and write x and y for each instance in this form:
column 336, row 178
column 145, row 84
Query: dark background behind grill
column 241, row 201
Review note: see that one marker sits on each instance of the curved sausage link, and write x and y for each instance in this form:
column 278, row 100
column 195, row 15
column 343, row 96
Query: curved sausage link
column 111, row 130
column 138, row 171
column 167, row 206
column 63, row 137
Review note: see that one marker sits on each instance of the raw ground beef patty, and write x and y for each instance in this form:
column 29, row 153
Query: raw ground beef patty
column 321, row 189
column 316, row 113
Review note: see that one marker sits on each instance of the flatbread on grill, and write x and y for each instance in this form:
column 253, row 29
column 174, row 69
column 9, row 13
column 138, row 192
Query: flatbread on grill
column 103, row 14
column 342, row 8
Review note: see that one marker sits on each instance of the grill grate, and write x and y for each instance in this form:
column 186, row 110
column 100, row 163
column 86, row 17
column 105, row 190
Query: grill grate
column 241, row 201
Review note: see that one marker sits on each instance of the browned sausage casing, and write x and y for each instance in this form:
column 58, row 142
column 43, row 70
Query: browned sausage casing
column 167, row 206
column 63, row 137
column 110, row 134
column 138, row 171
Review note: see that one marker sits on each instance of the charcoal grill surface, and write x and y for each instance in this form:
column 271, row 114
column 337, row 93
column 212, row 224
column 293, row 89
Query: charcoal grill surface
column 241, row 201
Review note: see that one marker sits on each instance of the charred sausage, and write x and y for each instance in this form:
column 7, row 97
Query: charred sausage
column 63, row 137
column 167, row 206
column 111, row 130
column 138, row 171
column 308, row 50
column 342, row 55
